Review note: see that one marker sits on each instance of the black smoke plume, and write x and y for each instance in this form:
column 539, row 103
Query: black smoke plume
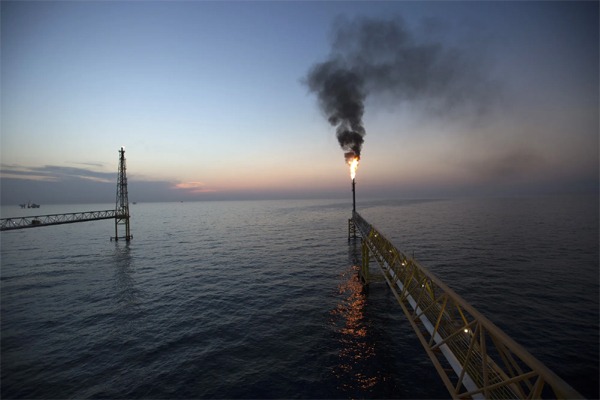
column 341, row 96
column 382, row 57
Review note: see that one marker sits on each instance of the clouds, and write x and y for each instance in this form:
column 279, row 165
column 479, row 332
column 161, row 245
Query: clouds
column 55, row 173
column 62, row 184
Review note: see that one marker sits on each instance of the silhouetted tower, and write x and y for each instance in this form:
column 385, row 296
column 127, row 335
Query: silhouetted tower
column 122, row 206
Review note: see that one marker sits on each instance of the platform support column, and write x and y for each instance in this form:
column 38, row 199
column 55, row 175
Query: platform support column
column 351, row 229
column 364, row 269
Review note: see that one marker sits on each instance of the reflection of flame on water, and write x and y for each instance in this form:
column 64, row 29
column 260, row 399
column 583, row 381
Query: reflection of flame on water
column 355, row 345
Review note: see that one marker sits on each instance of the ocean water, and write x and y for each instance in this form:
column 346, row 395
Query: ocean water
column 259, row 299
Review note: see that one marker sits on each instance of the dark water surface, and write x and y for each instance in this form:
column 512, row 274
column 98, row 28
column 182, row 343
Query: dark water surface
column 259, row 299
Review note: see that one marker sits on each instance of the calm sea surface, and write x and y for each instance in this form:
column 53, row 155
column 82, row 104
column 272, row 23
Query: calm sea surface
column 259, row 299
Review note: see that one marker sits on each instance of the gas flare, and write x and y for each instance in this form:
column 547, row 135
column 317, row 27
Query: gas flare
column 353, row 163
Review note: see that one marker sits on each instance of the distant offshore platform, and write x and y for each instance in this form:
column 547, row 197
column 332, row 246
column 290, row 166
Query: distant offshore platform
column 120, row 214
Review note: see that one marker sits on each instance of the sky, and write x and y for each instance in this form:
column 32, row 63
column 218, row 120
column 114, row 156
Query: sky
column 210, row 101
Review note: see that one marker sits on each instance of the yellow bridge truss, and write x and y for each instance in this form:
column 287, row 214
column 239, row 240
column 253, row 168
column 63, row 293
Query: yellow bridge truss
column 474, row 358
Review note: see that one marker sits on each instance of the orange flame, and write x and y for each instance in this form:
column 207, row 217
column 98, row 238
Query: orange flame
column 353, row 163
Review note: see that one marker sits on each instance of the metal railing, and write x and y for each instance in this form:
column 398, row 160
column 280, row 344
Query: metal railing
column 55, row 219
column 474, row 358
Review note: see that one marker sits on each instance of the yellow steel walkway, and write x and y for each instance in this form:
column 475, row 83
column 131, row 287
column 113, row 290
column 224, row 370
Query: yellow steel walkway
column 474, row 358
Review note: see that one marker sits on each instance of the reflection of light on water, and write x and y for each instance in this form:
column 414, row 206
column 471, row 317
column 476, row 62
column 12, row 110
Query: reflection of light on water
column 355, row 348
column 125, row 292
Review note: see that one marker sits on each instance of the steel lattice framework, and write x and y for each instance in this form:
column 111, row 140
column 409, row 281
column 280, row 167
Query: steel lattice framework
column 474, row 357
column 122, row 203
column 55, row 219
